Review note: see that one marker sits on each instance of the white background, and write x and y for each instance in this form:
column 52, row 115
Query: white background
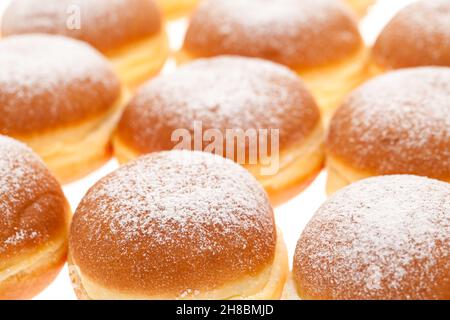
column 291, row 217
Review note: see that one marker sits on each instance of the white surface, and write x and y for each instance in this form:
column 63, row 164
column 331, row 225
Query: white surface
column 291, row 217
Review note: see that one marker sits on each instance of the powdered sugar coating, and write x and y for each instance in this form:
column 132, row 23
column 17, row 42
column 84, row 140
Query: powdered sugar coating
column 222, row 93
column 32, row 206
column 107, row 25
column 296, row 33
column 50, row 81
column 381, row 238
column 173, row 221
column 396, row 123
column 419, row 35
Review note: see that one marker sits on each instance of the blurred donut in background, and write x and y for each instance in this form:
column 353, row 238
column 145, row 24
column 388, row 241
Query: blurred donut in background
column 129, row 32
column 419, row 35
column 318, row 39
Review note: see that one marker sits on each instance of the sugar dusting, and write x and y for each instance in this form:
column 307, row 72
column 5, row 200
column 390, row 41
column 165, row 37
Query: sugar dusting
column 42, row 74
column 46, row 63
column 225, row 93
column 414, row 101
column 418, row 35
column 19, row 236
column 299, row 33
column 431, row 16
column 182, row 188
column 386, row 237
column 399, row 121
column 187, row 210
column 105, row 24
column 19, row 176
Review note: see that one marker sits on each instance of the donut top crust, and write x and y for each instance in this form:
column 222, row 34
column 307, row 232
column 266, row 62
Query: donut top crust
column 173, row 223
column 223, row 93
column 47, row 82
column 107, row 25
column 296, row 33
column 398, row 123
column 32, row 206
column 381, row 238
column 418, row 35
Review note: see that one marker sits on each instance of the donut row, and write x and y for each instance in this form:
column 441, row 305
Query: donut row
column 319, row 40
column 397, row 123
column 193, row 225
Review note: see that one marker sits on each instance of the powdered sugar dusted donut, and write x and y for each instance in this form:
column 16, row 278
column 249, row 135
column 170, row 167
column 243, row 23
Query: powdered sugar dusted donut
column 34, row 218
column 223, row 94
column 318, row 39
column 380, row 238
column 129, row 32
column 398, row 123
column 177, row 225
column 59, row 95
column 296, row 33
column 418, row 35
column 105, row 24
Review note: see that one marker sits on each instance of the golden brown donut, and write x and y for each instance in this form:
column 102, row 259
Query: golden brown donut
column 62, row 98
column 129, row 32
column 34, row 222
column 177, row 8
column 318, row 39
column 230, row 93
column 381, row 238
column 419, row 35
column 177, row 225
column 398, row 123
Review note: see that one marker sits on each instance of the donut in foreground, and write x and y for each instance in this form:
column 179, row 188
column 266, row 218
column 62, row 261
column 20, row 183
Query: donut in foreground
column 177, row 225
column 419, row 35
column 318, row 39
column 129, row 32
column 397, row 123
column 381, row 238
column 62, row 98
column 173, row 9
column 34, row 221
column 258, row 110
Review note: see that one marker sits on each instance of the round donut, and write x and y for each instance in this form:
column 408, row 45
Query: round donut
column 218, row 95
column 34, row 222
column 177, row 225
column 385, row 238
column 62, row 98
column 318, row 39
column 129, row 32
column 173, row 9
column 398, row 123
column 419, row 35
